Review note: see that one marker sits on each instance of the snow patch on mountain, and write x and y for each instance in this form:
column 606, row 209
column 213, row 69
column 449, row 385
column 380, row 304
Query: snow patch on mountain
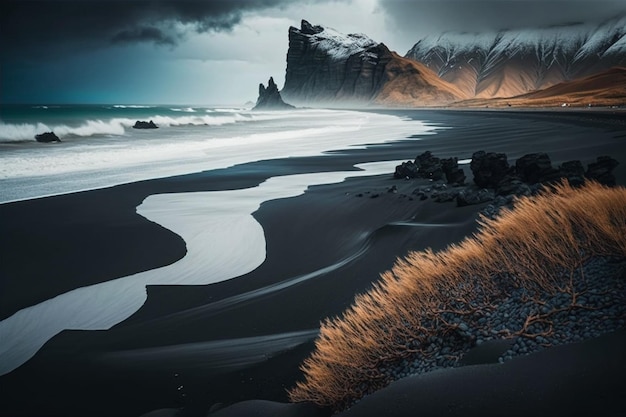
column 340, row 46
column 603, row 38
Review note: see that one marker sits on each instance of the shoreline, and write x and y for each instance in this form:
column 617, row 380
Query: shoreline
column 183, row 315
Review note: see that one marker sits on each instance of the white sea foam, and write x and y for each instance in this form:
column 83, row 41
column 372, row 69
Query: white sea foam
column 26, row 131
column 132, row 106
column 182, row 147
column 21, row 132
column 186, row 109
column 207, row 120
column 223, row 241
column 119, row 126
column 116, row 126
column 230, row 110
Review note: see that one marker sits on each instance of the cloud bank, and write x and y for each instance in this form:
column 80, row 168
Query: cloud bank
column 41, row 25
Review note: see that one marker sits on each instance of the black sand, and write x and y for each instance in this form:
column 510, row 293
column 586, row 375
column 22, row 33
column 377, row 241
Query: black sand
column 54, row 244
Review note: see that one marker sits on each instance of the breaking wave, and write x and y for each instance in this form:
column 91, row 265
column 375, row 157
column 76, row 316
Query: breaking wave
column 186, row 109
column 25, row 132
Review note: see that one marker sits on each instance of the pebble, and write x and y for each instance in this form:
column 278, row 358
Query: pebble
column 601, row 314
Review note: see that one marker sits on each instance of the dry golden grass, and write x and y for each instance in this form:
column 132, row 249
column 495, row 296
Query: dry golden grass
column 542, row 240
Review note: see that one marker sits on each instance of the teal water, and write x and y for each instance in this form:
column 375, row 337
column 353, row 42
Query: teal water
column 20, row 123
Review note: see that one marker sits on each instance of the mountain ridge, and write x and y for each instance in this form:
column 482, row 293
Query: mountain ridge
column 513, row 62
column 328, row 68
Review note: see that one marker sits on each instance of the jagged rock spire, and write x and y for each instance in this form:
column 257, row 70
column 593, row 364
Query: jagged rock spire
column 269, row 98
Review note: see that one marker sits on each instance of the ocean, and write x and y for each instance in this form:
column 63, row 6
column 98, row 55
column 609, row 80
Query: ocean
column 100, row 147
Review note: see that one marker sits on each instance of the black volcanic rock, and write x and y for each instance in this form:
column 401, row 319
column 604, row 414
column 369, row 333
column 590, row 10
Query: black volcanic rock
column 429, row 166
column 454, row 174
column 573, row 171
column 602, row 170
column 489, row 168
column 270, row 99
column 140, row 124
column 494, row 181
column 534, row 167
column 47, row 137
column 425, row 166
column 406, row 170
column 470, row 197
column 512, row 185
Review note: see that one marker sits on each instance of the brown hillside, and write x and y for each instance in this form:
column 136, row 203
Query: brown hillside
column 607, row 83
column 607, row 88
column 407, row 83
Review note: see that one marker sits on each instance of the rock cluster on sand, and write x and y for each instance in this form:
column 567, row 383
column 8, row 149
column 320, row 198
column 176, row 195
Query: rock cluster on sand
column 585, row 310
column 495, row 180
column 140, row 124
column 430, row 167
column 47, row 137
column 269, row 98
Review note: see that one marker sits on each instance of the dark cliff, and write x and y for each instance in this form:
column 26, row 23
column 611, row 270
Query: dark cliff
column 325, row 67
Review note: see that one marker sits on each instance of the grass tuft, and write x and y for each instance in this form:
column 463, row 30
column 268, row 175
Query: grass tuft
column 539, row 244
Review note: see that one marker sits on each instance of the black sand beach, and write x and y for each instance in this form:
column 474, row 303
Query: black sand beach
column 243, row 339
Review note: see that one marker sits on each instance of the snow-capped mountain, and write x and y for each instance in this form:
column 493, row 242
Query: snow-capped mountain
column 513, row 62
column 325, row 67
column 337, row 45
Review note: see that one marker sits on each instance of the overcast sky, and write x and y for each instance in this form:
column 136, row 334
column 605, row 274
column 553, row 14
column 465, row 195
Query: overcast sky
column 217, row 51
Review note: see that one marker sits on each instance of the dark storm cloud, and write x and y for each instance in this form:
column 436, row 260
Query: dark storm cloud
column 144, row 34
column 51, row 25
column 420, row 16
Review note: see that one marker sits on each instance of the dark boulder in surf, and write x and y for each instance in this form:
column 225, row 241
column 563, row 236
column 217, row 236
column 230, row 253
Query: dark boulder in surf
column 47, row 137
column 140, row 124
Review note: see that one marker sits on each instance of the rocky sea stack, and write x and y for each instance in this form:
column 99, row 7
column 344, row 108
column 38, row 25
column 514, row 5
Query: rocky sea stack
column 269, row 98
